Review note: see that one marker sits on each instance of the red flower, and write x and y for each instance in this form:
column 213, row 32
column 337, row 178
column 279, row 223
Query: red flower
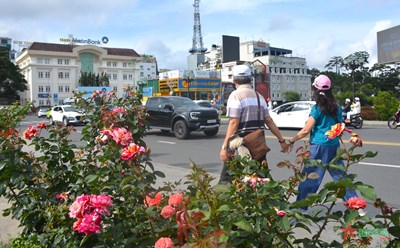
column 41, row 126
column 30, row 132
column 175, row 200
column 132, row 151
column 355, row 140
column 337, row 130
column 356, row 203
column 167, row 211
column 281, row 213
column 153, row 201
column 164, row 243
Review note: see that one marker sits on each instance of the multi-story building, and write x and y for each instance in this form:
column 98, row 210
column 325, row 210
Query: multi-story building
column 53, row 70
column 284, row 72
column 275, row 70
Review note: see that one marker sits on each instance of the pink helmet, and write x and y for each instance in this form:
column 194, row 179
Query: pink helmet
column 322, row 82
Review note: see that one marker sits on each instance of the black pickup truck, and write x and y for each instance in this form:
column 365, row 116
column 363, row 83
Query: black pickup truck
column 181, row 115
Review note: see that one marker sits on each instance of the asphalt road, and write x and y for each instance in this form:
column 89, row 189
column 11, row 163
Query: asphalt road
column 382, row 171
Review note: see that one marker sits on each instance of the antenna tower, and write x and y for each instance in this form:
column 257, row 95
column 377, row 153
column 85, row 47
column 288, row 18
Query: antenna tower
column 197, row 46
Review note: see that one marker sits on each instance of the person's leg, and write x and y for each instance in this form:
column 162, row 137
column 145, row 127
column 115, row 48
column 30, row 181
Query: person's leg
column 311, row 185
column 329, row 154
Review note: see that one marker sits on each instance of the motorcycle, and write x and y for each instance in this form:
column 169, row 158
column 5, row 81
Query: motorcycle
column 392, row 123
column 356, row 121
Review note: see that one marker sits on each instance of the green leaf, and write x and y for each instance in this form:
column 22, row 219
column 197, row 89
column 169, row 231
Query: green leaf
column 350, row 215
column 244, row 225
column 126, row 180
column 2, row 165
column 367, row 191
column 224, row 208
column 90, row 178
column 284, row 223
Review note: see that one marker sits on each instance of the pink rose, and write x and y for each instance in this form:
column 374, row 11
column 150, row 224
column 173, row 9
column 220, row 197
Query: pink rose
column 356, row 203
column 76, row 210
column 167, row 211
column 122, row 136
column 163, row 243
column 132, row 151
column 30, row 132
column 101, row 203
column 281, row 213
column 153, row 201
column 175, row 200
column 355, row 140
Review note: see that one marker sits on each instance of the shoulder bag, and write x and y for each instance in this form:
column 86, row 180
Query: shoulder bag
column 255, row 141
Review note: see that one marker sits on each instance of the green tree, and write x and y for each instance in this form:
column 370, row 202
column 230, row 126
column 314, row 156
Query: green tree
column 385, row 104
column 11, row 79
column 92, row 79
column 291, row 96
column 335, row 62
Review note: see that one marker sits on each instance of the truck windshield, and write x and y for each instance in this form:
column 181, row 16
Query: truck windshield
column 182, row 101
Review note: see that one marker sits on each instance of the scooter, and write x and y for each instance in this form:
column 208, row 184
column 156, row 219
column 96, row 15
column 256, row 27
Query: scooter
column 392, row 123
column 356, row 121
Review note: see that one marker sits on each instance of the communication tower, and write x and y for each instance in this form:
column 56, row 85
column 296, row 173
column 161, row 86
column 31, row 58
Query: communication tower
column 197, row 46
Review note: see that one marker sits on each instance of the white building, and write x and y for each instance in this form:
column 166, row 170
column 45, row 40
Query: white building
column 277, row 71
column 284, row 72
column 53, row 70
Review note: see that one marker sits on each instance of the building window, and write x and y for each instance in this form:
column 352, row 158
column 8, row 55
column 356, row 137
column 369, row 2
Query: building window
column 40, row 74
column 124, row 64
column 114, row 64
column 108, row 75
column 60, row 89
column 67, row 89
column 108, row 64
column 130, row 77
column 59, row 61
column 115, row 88
column 41, row 102
column 66, row 61
column 115, row 77
column 47, row 61
column 124, row 77
column 40, row 60
column 40, row 88
column 66, row 74
column 48, row 88
column 141, row 74
column 60, row 75
column 47, row 74
column 141, row 67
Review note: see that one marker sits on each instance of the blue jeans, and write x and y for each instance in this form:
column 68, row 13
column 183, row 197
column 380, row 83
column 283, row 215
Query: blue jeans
column 325, row 154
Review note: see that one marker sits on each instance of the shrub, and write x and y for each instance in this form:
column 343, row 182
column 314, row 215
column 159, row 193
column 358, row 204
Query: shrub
column 103, row 195
column 369, row 113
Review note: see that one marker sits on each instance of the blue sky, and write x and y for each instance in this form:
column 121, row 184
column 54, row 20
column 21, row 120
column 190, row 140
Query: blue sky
column 314, row 29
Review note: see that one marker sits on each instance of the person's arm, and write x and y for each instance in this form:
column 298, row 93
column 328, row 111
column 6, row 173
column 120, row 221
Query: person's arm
column 232, row 128
column 303, row 132
column 275, row 130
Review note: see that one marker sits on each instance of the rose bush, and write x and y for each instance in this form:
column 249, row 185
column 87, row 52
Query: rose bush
column 103, row 194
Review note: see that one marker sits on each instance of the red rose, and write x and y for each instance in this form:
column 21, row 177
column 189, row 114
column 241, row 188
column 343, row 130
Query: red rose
column 356, row 203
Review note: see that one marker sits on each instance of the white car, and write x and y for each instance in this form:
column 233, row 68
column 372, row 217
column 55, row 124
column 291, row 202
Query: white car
column 292, row 114
column 67, row 114
column 42, row 111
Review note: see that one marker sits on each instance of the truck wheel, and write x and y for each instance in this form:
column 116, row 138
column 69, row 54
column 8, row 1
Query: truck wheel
column 65, row 121
column 212, row 132
column 181, row 130
column 51, row 121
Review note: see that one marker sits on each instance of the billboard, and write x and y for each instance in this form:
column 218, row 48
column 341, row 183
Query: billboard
column 230, row 48
column 200, row 84
column 388, row 42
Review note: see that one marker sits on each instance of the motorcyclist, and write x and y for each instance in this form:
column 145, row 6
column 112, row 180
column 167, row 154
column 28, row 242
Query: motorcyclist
column 346, row 108
column 397, row 115
column 355, row 109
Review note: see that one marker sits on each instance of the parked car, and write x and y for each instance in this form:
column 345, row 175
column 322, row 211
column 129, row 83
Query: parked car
column 67, row 114
column 42, row 111
column 182, row 116
column 292, row 114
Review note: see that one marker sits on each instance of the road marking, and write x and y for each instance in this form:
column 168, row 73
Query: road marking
column 345, row 141
column 167, row 142
column 381, row 165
